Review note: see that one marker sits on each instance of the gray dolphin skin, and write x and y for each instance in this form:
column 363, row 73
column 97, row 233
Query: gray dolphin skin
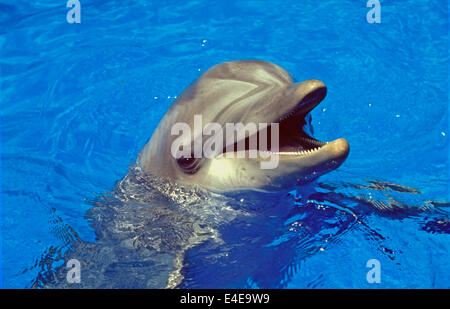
column 165, row 207
column 246, row 91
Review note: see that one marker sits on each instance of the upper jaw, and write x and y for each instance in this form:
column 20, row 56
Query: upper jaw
column 303, row 97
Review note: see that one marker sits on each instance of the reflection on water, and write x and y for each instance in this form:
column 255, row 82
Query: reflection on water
column 152, row 233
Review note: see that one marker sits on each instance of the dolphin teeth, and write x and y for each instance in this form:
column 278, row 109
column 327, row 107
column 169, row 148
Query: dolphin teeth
column 303, row 152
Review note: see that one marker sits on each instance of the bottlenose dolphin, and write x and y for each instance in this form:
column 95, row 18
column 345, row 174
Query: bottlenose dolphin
column 166, row 206
column 242, row 92
column 163, row 226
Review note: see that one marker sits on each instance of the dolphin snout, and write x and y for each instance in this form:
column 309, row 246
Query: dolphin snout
column 339, row 149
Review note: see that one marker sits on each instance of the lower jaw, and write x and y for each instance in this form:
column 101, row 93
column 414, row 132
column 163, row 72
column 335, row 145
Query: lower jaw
column 334, row 150
column 301, row 147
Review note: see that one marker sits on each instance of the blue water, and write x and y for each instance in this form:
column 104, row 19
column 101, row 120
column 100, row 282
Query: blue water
column 78, row 102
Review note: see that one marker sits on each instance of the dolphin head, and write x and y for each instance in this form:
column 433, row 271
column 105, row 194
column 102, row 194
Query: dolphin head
column 245, row 92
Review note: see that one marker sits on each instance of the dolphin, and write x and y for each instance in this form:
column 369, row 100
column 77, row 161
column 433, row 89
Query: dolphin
column 165, row 205
column 156, row 230
column 246, row 91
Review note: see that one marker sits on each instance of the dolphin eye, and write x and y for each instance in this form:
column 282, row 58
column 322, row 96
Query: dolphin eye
column 185, row 162
column 189, row 165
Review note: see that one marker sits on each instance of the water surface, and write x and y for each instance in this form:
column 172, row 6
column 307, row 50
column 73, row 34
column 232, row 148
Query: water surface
column 78, row 101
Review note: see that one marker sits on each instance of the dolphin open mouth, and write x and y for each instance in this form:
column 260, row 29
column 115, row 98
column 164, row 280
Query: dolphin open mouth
column 293, row 140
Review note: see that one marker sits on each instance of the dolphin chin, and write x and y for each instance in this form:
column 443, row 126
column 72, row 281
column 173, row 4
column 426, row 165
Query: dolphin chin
column 247, row 92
